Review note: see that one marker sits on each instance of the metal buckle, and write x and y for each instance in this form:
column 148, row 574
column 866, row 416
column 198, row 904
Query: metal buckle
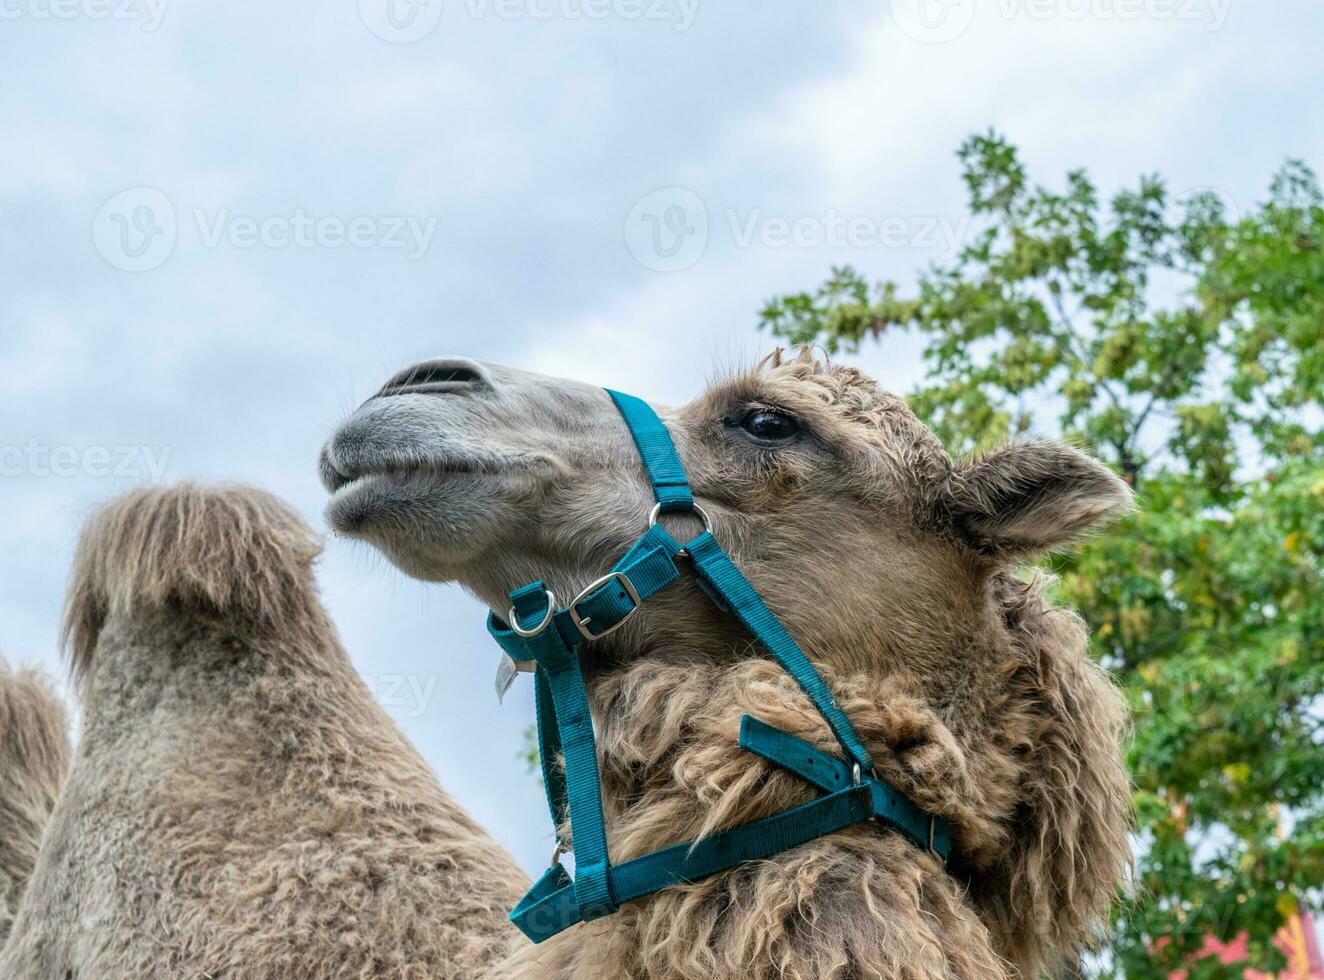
column 581, row 622
column 513, row 620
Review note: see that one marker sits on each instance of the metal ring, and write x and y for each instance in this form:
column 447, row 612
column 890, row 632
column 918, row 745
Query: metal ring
column 513, row 619
column 855, row 774
column 702, row 514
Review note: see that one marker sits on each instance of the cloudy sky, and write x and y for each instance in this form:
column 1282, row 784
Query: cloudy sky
column 223, row 225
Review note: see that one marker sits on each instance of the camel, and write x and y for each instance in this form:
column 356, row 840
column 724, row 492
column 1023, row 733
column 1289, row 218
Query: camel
column 34, row 757
column 239, row 807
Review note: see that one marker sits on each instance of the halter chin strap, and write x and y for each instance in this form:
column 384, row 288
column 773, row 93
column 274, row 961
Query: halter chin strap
column 552, row 637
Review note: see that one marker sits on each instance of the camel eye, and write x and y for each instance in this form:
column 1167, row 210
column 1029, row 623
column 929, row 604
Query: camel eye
column 770, row 425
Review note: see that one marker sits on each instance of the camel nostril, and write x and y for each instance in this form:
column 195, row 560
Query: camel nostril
column 446, row 374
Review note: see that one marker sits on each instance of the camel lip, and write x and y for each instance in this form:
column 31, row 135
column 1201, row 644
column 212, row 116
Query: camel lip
column 354, row 498
column 338, row 480
column 338, row 475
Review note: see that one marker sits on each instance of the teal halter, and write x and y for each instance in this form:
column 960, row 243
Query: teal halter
column 537, row 630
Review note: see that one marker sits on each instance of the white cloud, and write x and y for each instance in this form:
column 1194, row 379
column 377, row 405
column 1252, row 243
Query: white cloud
column 1091, row 88
column 41, row 159
column 386, row 95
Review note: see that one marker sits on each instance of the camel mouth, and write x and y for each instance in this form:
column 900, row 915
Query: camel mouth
column 373, row 489
column 347, row 461
column 341, row 479
column 368, row 501
column 352, row 490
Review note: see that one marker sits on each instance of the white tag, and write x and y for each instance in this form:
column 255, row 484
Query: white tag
column 507, row 671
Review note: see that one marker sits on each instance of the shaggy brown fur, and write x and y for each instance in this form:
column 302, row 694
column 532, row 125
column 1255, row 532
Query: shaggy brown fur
column 889, row 562
column 239, row 805
column 34, row 757
column 1036, row 801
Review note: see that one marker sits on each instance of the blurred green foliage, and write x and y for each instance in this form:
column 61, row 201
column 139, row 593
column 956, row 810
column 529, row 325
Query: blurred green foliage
column 1184, row 345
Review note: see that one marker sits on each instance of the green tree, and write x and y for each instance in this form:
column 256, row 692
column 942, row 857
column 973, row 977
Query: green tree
column 1184, row 345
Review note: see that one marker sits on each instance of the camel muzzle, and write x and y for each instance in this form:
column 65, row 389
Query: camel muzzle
column 537, row 631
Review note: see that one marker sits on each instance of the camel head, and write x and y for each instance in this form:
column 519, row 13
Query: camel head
column 832, row 497
column 890, row 563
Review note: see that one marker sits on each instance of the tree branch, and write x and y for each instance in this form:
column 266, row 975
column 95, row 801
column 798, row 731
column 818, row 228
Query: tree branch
column 1072, row 335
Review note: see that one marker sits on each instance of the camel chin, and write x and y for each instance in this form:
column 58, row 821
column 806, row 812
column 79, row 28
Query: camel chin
column 428, row 524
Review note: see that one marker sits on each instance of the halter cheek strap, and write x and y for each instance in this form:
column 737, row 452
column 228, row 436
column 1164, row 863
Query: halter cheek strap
column 553, row 637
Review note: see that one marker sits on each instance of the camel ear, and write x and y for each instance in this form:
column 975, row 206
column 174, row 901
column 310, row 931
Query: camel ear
column 1031, row 497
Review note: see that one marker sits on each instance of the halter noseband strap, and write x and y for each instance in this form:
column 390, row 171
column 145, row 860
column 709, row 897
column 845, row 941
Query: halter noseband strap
column 536, row 629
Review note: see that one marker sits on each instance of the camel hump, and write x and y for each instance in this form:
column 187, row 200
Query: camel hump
column 34, row 757
column 227, row 549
